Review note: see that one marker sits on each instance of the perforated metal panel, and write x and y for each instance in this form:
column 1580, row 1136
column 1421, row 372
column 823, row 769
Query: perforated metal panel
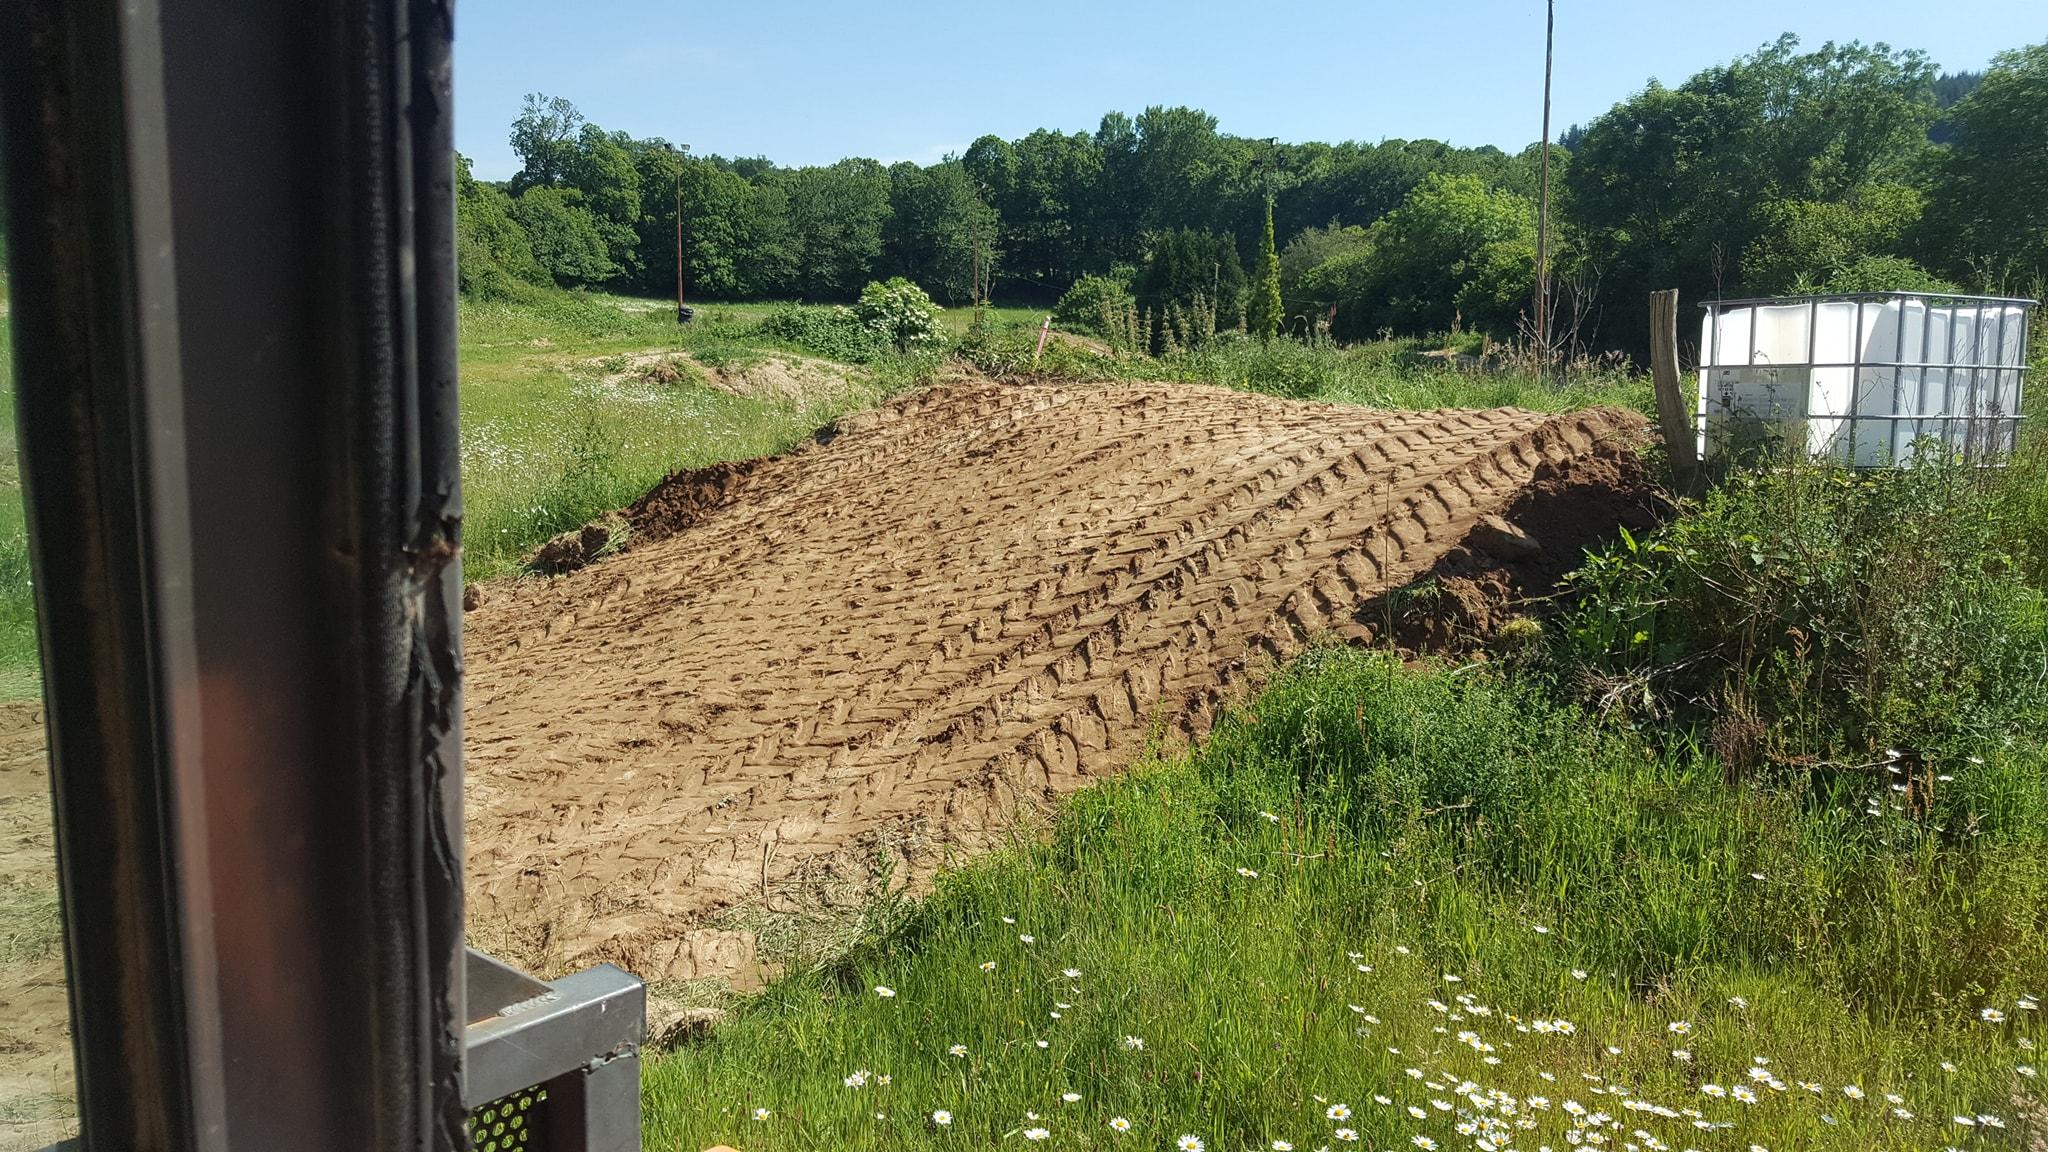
column 511, row 1123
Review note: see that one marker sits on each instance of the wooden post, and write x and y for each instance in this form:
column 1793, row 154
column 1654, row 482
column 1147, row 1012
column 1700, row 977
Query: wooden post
column 1543, row 195
column 1672, row 411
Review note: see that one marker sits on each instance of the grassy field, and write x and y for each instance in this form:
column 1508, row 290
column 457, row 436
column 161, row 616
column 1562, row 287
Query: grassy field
column 19, row 676
column 1428, row 908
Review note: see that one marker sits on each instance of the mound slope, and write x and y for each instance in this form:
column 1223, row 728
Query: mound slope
column 897, row 640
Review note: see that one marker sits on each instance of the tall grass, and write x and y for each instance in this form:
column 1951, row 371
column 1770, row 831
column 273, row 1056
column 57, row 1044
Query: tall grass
column 1370, row 870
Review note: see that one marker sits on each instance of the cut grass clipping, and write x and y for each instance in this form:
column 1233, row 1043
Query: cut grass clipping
column 1394, row 909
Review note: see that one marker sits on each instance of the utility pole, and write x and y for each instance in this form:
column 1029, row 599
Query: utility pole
column 682, row 309
column 1543, row 192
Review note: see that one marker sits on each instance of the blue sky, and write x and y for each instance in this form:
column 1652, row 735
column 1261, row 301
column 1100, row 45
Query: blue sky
column 806, row 82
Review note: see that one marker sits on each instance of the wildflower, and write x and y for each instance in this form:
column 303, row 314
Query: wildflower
column 1578, row 973
column 1990, row 1121
column 1810, row 1086
column 941, row 1117
column 1902, row 1114
column 1071, row 973
column 1061, row 1005
column 1380, row 1100
column 1270, row 819
column 1119, row 1124
column 1737, row 1002
column 885, row 992
column 1248, row 873
column 1679, row 1027
column 1071, row 1097
column 762, row 1113
column 1948, row 1066
column 1540, row 929
column 1992, row 1016
column 1423, row 1142
column 1453, row 978
column 1282, row 1146
column 2029, row 1004
column 1743, row 1093
column 1894, row 1098
column 1189, row 1144
column 859, row 1079
column 1401, row 948
column 1346, row 1135
column 1134, row 1043
column 1418, row 1113
column 1680, row 1054
column 1042, row 1044
column 1026, row 938
column 988, row 965
column 1009, row 919
column 1036, row 1133
column 883, row 1079
column 2026, row 1070
column 1965, row 1121
column 957, row 1050
column 1338, row 1112
column 1756, row 876
column 1852, row 1091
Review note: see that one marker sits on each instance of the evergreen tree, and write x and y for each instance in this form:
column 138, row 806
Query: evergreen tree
column 1264, row 308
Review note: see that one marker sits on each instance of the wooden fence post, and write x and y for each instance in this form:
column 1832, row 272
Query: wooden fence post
column 1680, row 439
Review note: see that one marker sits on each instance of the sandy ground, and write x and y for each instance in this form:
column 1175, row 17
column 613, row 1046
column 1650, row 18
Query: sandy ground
column 880, row 652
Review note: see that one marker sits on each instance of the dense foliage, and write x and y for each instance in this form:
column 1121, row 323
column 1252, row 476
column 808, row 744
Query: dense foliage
column 1783, row 170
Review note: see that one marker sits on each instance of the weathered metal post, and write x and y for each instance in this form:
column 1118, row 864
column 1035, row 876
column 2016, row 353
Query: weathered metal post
column 232, row 255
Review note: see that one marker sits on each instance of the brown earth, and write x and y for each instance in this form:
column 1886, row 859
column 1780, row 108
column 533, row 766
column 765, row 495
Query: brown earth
column 35, row 1033
column 859, row 659
column 768, row 376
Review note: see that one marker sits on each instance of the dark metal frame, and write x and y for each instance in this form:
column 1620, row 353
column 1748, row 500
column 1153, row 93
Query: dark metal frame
column 1985, row 436
column 232, row 243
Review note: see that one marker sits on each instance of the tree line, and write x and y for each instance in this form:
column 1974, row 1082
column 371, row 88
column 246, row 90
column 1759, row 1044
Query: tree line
column 1846, row 168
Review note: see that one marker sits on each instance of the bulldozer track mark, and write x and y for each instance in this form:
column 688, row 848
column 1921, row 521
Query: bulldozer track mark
column 945, row 613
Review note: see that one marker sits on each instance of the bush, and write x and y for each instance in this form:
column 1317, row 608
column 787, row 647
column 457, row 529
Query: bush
column 1092, row 305
column 901, row 314
column 1817, row 615
column 835, row 333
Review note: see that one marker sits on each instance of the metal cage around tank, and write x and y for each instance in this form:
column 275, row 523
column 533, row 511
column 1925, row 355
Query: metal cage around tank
column 1866, row 379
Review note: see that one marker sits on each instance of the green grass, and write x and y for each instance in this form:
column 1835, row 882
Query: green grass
column 552, row 437
column 1406, row 828
column 20, row 677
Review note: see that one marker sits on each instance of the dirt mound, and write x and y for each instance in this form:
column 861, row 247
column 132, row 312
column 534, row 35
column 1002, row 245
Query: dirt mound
column 769, row 376
column 890, row 646
column 685, row 497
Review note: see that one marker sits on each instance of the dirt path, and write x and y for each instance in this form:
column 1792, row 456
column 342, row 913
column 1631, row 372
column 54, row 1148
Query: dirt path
column 890, row 646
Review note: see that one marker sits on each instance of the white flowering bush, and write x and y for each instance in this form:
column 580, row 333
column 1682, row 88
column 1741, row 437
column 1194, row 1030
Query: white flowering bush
column 901, row 314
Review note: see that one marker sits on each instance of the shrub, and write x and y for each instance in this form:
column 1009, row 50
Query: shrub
column 1092, row 305
column 835, row 333
column 900, row 313
column 1818, row 615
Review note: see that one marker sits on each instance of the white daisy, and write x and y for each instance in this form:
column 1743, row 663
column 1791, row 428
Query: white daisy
column 941, row 1117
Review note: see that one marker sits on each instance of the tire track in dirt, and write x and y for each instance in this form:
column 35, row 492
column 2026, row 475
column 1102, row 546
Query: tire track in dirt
column 897, row 641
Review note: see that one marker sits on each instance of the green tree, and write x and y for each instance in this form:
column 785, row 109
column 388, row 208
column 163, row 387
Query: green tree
column 493, row 254
column 1454, row 249
column 1183, row 264
column 602, row 169
column 836, row 217
column 545, row 137
column 1806, row 242
column 1671, row 187
column 1989, row 209
column 1263, row 311
column 938, row 228
column 1311, row 248
column 564, row 235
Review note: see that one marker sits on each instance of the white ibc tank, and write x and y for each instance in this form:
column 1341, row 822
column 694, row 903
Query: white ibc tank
column 1863, row 380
